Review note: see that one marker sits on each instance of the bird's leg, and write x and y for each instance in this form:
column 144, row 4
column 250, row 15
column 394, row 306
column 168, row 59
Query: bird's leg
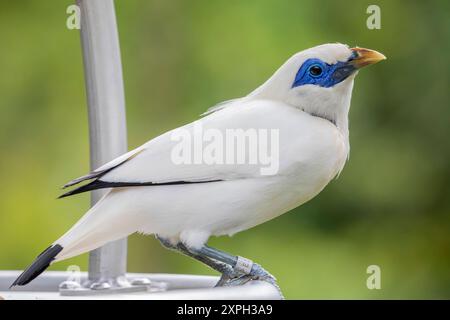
column 225, row 269
column 235, row 270
column 244, row 269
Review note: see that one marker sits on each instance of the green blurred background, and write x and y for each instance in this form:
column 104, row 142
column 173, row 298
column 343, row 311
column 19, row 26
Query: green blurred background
column 390, row 206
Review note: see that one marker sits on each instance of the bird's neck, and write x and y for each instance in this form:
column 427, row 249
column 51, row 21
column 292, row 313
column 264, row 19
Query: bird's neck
column 333, row 106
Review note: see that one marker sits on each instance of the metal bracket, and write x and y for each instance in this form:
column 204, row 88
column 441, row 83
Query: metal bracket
column 120, row 285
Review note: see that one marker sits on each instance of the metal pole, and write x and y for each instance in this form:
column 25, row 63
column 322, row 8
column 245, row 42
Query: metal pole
column 107, row 124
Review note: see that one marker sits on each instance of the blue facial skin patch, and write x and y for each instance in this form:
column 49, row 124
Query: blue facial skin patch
column 317, row 72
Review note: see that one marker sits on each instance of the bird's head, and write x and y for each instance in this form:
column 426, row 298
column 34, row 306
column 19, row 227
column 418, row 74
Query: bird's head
column 319, row 80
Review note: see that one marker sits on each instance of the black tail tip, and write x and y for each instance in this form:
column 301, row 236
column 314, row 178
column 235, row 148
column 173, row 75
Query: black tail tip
column 38, row 266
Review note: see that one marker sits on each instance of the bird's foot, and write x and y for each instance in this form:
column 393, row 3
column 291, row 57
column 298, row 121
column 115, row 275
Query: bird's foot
column 227, row 276
column 257, row 273
column 233, row 277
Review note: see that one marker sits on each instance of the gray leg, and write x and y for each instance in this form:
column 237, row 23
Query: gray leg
column 244, row 268
column 225, row 269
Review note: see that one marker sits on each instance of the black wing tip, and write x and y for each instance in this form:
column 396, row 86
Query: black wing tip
column 96, row 184
column 100, row 184
column 65, row 194
column 99, row 173
column 38, row 266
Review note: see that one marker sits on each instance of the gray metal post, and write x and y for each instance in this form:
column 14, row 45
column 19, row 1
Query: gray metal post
column 107, row 124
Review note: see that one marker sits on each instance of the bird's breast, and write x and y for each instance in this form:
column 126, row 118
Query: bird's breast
column 312, row 159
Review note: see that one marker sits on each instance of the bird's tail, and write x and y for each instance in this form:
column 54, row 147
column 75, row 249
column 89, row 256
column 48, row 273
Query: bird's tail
column 38, row 266
column 101, row 224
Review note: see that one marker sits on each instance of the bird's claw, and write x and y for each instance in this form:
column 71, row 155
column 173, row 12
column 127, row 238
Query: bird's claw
column 232, row 278
column 227, row 275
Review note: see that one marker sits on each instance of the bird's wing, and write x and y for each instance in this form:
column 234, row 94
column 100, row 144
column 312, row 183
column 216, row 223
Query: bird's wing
column 153, row 163
column 97, row 173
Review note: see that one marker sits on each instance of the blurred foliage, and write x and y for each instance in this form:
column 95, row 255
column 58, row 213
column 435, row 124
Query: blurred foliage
column 390, row 207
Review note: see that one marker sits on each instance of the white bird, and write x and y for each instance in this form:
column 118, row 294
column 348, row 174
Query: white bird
column 306, row 101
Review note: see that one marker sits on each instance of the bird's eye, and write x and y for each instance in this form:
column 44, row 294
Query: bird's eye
column 315, row 70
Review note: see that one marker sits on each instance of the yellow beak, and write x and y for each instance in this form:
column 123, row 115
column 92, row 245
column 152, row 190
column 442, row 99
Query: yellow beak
column 364, row 57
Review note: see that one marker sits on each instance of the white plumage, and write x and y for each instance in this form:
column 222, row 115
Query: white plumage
column 312, row 151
